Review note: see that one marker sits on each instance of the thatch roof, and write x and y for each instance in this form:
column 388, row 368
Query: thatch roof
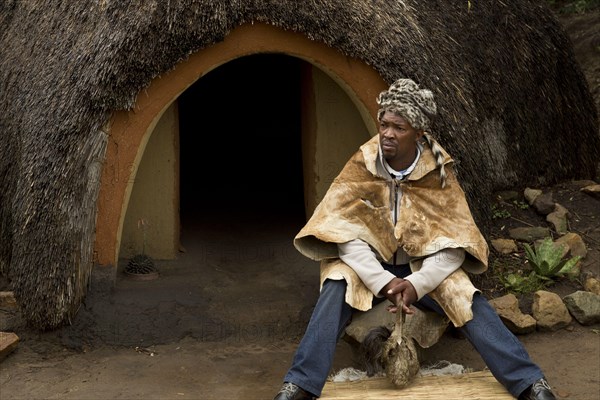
column 514, row 103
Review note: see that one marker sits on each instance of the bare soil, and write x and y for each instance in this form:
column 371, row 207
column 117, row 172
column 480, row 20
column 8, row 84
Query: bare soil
column 223, row 321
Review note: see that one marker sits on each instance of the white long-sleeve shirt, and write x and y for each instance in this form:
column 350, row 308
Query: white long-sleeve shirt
column 362, row 259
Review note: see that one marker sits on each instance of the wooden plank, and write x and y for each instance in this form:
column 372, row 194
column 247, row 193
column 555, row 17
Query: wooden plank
column 8, row 342
column 474, row 385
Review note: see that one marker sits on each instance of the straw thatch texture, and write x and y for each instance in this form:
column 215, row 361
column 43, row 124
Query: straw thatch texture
column 473, row 385
column 514, row 104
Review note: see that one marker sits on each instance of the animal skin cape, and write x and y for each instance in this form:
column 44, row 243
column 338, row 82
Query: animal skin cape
column 431, row 218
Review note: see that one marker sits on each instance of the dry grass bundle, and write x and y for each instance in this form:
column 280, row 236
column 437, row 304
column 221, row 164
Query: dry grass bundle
column 473, row 385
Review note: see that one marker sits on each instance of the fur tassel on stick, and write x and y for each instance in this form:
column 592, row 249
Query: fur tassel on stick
column 391, row 352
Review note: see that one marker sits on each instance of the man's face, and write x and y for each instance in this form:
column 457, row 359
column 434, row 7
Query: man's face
column 398, row 140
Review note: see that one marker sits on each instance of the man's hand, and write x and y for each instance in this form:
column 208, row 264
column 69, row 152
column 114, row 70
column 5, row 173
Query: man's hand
column 397, row 290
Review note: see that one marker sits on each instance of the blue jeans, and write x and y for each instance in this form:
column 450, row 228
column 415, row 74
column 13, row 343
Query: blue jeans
column 503, row 353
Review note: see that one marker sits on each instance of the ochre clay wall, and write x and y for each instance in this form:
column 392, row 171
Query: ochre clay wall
column 151, row 222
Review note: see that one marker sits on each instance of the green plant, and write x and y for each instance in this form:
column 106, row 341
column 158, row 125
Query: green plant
column 499, row 213
column 520, row 204
column 519, row 283
column 547, row 260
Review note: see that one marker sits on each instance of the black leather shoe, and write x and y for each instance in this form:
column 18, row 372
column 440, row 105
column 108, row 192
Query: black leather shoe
column 540, row 390
column 290, row 391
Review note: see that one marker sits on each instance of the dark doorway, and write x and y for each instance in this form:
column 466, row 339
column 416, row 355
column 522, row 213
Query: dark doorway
column 240, row 138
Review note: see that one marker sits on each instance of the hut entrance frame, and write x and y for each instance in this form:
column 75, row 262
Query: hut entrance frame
column 331, row 85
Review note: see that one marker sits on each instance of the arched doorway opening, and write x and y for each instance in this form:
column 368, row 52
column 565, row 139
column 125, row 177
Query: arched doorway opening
column 250, row 146
column 336, row 98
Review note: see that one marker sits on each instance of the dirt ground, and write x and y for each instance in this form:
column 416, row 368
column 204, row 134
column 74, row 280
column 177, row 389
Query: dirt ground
column 210, row 327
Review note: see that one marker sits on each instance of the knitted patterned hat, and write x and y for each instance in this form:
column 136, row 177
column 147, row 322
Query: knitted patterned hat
column 405, row 98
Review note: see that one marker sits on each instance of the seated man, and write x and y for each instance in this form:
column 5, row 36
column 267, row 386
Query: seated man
column 395, row 224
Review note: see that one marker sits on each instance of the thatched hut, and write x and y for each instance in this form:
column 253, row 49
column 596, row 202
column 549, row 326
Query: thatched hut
column 89, row 89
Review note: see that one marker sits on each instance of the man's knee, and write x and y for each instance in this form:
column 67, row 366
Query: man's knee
column 334, row 286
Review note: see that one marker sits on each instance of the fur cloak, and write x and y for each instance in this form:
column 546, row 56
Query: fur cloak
column 358, row 205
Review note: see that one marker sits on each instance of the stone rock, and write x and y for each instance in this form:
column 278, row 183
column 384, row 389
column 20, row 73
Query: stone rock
column 8, row 343
column 7, row 300
column 363, row 322
column 529, row 234
column 592, row 285
column 549, row 311
column 573, row 245
column 11, row 318
column 559, row 219
column 507, row 195
column 592, row 190
column 531, row 194
column 424, row 326
column 583, row 183
column 584, row 306
column 507, row 308
column 544, row 204
column 504, row 246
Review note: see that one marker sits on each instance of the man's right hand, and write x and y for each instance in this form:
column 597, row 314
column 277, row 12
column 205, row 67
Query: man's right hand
column 398, row 290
